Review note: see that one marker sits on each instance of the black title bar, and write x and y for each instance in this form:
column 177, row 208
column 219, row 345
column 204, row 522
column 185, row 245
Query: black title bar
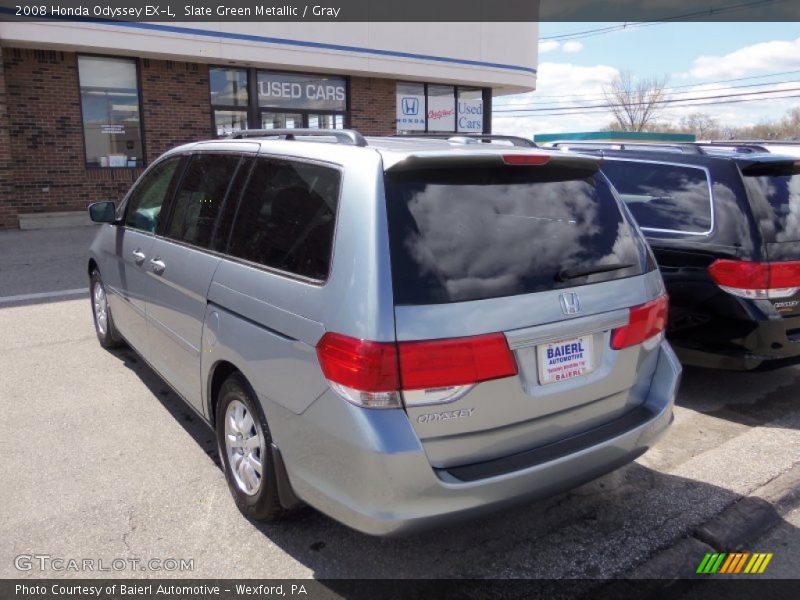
column 403, row 10
column 395, row 589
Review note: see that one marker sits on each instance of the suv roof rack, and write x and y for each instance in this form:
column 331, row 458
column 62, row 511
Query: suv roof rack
column 754, row 142
column 687, row 148
column 731, row 147
column 348, row 137
column 472, row 138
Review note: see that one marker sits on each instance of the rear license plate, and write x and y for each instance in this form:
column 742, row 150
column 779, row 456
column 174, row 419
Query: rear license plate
column 565, row 359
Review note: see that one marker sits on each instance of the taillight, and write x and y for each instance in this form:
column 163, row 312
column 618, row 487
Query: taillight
column 363, row 372
column 460, row 361
column 756, row 280
column 373, row 374
column 647, row 322
column 526, row 159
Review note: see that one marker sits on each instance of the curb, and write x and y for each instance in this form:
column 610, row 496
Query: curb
column 672, row 570
column 753, row 515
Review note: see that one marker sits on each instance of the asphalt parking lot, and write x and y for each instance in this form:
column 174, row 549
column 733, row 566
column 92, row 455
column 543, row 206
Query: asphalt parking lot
column 102, row 461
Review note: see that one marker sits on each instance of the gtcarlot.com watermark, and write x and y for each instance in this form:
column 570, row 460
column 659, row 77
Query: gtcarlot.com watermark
column 60, row 564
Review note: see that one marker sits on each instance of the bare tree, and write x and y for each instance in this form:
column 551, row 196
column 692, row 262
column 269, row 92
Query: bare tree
column 635, row 103
column 704, row 126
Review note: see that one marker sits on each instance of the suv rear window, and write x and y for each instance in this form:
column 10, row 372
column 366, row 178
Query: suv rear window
column 663, row 196
column 776, row 200
column 459, row 234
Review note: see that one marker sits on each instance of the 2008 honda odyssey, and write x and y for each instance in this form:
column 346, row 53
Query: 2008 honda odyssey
column 394, row 331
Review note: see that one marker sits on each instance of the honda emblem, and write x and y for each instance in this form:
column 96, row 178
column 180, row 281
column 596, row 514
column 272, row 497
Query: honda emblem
column 570, row 303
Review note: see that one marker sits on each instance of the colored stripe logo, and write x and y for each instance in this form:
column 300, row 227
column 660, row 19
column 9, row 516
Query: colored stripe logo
column 734, row 563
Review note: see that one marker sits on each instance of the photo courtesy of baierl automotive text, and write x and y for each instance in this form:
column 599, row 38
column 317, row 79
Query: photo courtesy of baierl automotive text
column 423, row 299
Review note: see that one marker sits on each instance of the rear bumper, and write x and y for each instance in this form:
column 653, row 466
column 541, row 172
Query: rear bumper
column 741, row 345
column 368, row 469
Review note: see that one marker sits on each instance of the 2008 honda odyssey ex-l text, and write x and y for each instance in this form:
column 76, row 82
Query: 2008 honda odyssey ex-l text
column 396, row 332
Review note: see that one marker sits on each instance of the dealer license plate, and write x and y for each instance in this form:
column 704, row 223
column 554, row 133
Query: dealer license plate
column 565, row 359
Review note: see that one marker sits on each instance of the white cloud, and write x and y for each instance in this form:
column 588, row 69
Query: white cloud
column 772, row 56
column 558, row 85
column 548, row 46
column 572, row 47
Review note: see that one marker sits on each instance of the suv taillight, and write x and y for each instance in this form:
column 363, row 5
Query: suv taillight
column 756, row 280
column 647, row 322
column 373, row 374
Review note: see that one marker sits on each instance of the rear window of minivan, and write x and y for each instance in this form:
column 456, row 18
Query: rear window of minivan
column 460, row 234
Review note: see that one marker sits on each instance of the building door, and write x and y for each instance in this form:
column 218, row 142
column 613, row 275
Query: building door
column 317, row 121
column 281, row 120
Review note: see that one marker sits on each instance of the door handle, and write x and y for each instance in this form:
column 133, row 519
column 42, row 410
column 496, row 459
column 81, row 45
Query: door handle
column 158, row 265
column 138, row 256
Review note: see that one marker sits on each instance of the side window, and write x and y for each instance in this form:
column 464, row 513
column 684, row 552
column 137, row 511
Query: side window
column 660, row 196
column 144, row 204
column 199, row 198
column 286, row 217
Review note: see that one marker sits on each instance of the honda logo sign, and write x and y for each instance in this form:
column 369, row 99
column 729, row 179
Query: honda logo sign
column 410, row 105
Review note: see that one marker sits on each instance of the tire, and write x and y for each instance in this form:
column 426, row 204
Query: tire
column 239, row 418
column 104, row 326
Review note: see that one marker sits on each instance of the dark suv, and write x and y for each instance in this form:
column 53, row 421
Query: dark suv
column 726, row 234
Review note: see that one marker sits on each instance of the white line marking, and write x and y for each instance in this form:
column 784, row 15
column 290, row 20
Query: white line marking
column 42, row 295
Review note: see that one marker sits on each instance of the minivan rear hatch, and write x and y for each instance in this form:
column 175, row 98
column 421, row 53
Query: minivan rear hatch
column 529, row 247
column 773, row 187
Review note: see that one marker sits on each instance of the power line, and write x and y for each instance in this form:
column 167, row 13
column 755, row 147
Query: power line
column 606, row 110
column 563, row 106
column 659, row 103
column 676, row 87
column 604, row 103
column 578, row 35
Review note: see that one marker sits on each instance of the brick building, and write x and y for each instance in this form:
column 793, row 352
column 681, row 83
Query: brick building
column 85, row 107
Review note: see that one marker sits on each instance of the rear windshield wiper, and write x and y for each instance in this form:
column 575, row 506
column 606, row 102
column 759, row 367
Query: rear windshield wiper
column 565, row 274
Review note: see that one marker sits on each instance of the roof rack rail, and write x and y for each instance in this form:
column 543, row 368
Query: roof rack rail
column 688, row 147
column 756, row 142
column 348, row 137
column 732, row 147
column 472, row 138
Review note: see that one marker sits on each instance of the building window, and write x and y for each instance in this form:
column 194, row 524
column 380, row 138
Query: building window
column 469, row 111
column 441, row 108
column 438, row 108
column 280, row 100
column 410, row 101
column 287, row 100
column 112, row 127
column 230, row 99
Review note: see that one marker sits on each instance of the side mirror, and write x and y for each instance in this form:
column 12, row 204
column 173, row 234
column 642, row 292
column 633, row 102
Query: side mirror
column 103, row 212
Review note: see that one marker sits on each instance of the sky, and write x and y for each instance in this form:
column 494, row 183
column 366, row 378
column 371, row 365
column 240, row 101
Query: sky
column 699, row 60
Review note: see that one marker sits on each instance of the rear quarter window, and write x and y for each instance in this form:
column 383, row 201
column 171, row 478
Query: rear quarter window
column 460, row 234
column 776, row 201
column 673, row 198
column 286, row 217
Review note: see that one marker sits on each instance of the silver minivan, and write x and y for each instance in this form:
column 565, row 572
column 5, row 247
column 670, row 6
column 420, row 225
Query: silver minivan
column 397, row 332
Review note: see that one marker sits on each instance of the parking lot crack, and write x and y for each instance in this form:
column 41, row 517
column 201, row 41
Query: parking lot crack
column 131, row 529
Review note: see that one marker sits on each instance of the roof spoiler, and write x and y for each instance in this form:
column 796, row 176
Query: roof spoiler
column 774, row 166
column 512, row 159
column 472, row 138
